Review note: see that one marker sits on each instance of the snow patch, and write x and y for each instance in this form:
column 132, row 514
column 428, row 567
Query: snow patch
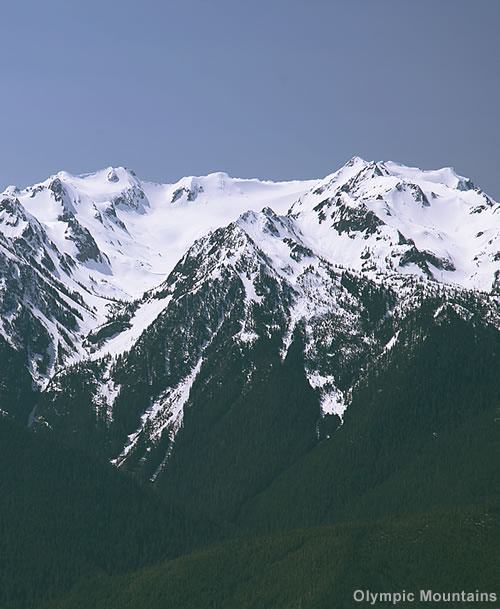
column 166, row 411
column 250, row 293
column 392, row 342
column 332, row 400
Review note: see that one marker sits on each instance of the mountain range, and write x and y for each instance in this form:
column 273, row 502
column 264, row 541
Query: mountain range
column 328, row 345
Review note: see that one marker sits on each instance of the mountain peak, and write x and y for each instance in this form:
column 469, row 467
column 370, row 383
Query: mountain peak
column 367, row 215
column 356, row 161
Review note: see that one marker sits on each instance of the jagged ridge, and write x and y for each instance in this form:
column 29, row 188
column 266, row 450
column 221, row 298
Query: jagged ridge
column 340, row 271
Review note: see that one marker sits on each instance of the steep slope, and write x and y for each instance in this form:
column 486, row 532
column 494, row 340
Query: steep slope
column 42, row 310
column 257, row 351
column 228, row 300
column 334, row 283
column 385, row 217
column 73, row 249
column 423, row 431
column 63, row 515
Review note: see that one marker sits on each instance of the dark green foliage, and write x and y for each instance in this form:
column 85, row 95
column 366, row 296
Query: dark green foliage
column 317, row 568
column 64, row 514
column 376, row 300
column 423, row 431
column 171, row 347
column 422, row 434
column 239, row 438
column 105, row 332
column 15, row 383
column 74, row 416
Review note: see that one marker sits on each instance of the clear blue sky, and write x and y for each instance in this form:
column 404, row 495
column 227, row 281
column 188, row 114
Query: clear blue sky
column 272, row 89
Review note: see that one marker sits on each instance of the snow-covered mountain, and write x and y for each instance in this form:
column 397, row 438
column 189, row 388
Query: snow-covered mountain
column 387, row 217
column 127, row 299
column 126, row 235
column 94, row 240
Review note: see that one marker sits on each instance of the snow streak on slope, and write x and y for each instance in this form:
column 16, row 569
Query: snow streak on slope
column 318, row 304
column 165, row 412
